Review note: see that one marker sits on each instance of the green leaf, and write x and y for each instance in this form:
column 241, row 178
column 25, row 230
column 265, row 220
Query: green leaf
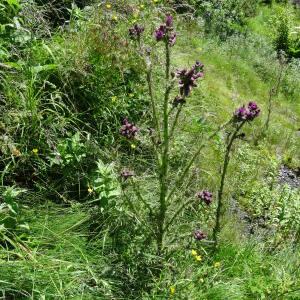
column 38, row 69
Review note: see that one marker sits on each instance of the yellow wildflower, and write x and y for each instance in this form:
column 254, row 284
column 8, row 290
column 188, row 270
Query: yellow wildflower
column 198, row 257
column 35, row 151
column 90, row 190
column 114, row 98
column 201, row 280
column 142, row 6
column 108, row 6
column 172, row 290
column 114, row 18
column 194, row 252
column 131, row 95
column 217, row 264
column 133, row 146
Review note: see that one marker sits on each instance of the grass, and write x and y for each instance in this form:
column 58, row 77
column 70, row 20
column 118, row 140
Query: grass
column 79, row 80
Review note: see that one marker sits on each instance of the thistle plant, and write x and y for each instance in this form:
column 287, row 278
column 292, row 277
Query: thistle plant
column 241, row 116
column 164, row 118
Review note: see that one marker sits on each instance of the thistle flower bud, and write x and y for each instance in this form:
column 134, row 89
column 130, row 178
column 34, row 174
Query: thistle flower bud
column 169, row 21
column 205, row 196
column 178, row 100
column 164, row 32
column 136, row 31
column 248, row 113
column 199, row 235
column 160, row 33
column 129, row 130
column 187, row 78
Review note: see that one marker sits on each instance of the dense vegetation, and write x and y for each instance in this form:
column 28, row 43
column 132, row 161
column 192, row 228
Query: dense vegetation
column 149, row 149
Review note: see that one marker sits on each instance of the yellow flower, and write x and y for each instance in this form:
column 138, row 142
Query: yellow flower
column 35, row 151
column 108, row 6
column 114, row 18
column 194, row 252
column 114, row 98
column 217, row 264
column 131, row 95
column 133, row 146
column 198, row 257
column 142, row 6
column 201, row 280
column 90, row 190
column 172, row 290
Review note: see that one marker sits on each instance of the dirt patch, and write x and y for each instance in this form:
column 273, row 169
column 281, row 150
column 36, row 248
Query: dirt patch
column 290, row 177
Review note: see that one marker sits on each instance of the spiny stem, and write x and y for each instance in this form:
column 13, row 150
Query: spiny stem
column 165, row 157
column 175, row 121
column 221, row 188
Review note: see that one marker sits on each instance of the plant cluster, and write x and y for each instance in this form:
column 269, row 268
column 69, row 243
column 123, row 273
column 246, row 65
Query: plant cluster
column 165, row 125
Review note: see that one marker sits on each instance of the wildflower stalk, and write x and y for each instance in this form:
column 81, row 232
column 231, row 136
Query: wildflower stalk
column 165, row 157
column 217, row 227
column 175, row 120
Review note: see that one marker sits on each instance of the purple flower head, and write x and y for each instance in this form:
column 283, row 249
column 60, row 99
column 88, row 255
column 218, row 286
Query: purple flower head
column 187, row 78
column 252, row 105
column 128, row 130
column 164, row 32
column 169, row 21
column 136, row 31
column 125, row 174
column 160, row 33
column 248, row 113
column 199, row 235
column 205, row 196
column 241, row 113
column 254, row 110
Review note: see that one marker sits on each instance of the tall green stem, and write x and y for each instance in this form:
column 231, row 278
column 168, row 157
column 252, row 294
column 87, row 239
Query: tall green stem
column 165, row 157
column 217, row 227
